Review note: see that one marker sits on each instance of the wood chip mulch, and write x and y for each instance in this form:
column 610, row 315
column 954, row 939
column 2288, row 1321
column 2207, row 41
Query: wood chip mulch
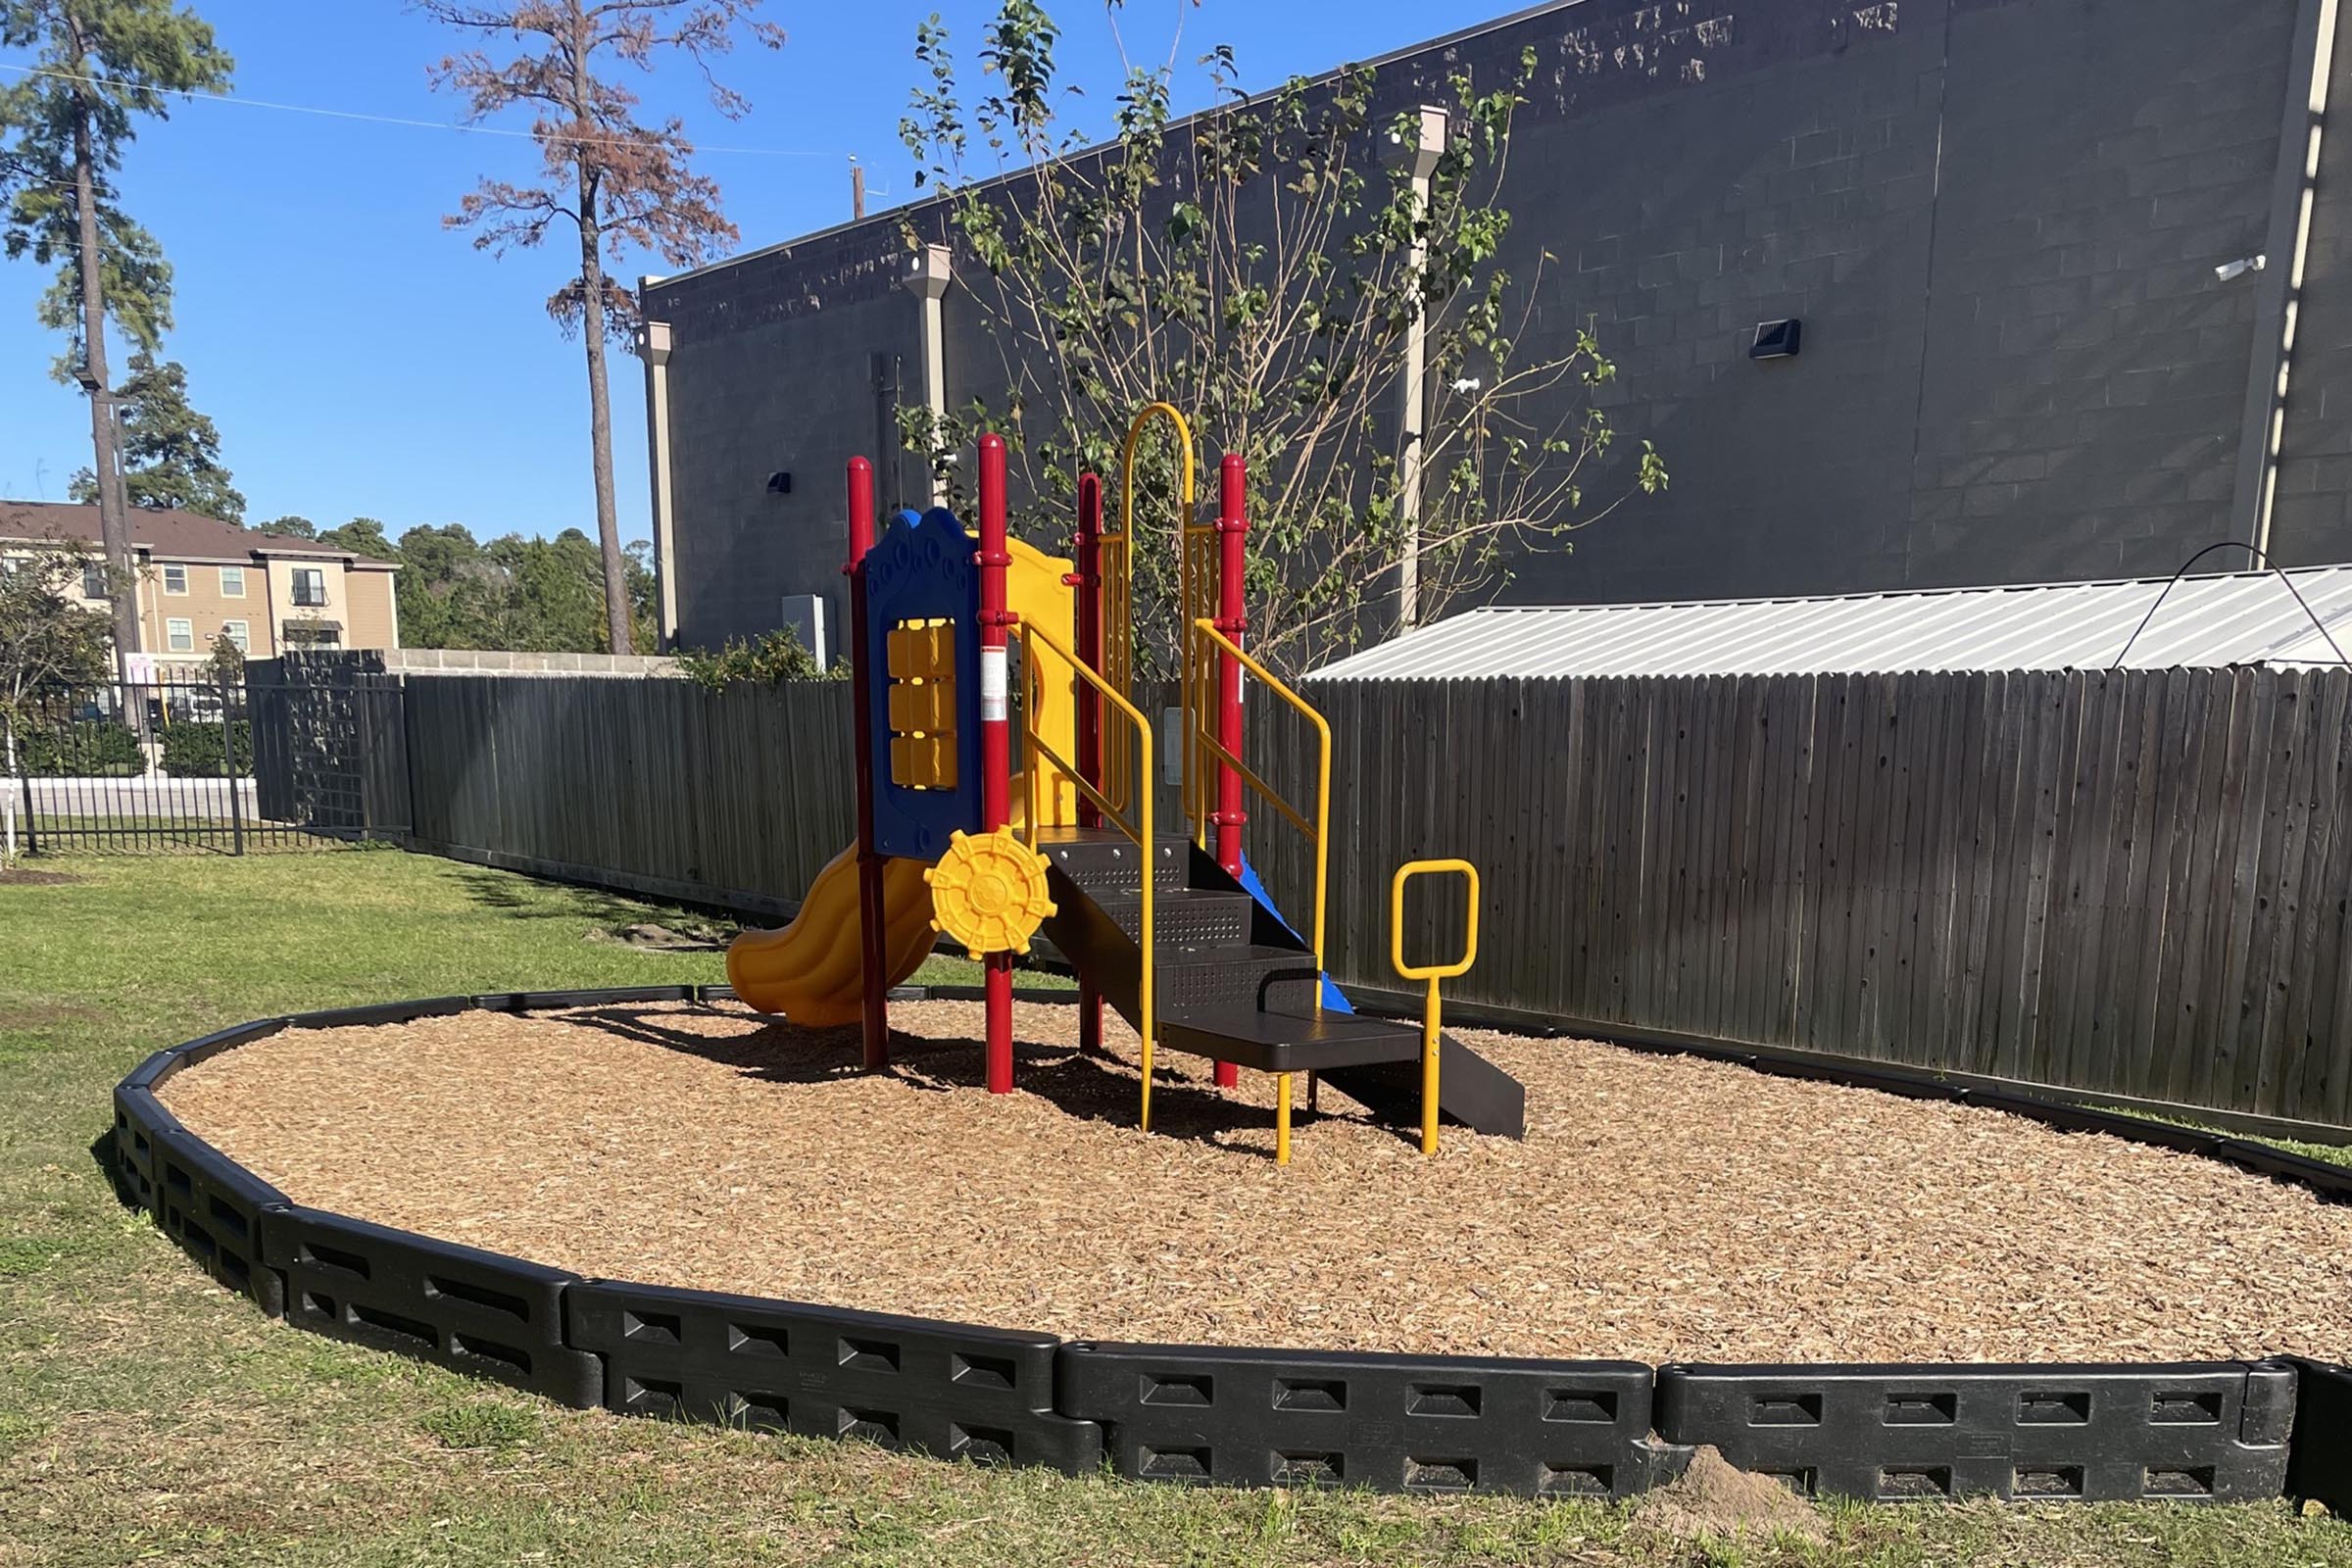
column 1661, row 1208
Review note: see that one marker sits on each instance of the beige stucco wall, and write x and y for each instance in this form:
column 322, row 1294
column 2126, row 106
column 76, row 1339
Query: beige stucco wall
column 362, row 600
column 359, row 599
column 207, row 608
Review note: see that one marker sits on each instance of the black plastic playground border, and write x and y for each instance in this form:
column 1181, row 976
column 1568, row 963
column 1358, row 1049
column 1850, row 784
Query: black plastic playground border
column 2219, row 1431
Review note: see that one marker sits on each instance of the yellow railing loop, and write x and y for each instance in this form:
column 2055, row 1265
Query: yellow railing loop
column 1034, row 638
column 1432, row 973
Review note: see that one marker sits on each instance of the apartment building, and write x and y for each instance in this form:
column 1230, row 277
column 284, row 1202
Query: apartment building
column 199, row 577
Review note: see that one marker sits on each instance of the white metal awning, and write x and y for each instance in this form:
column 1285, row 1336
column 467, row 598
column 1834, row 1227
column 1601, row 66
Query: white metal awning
column 2228, row 618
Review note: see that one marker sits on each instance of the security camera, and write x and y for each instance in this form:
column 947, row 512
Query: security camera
column 2232, row 271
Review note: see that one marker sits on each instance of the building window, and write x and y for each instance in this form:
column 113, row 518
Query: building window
column 175, row 580
column 179, row 636
column 311, row 634
column 238, row 632
column 93, row 581
column 233, row 582
column 310, row 587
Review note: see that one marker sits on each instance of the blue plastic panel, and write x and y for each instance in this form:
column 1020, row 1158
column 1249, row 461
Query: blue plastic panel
column 923, row 569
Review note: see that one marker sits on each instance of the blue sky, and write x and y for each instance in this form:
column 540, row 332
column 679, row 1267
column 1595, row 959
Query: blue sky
column 361, row 361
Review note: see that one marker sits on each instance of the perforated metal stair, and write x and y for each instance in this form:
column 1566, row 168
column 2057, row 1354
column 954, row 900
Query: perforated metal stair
column 1234, row 984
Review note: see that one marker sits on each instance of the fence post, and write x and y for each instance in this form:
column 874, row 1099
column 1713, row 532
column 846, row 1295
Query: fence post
column 23, row 759
column 229, row 767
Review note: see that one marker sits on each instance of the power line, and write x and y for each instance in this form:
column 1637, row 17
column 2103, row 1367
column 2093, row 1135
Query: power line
column 114, row 84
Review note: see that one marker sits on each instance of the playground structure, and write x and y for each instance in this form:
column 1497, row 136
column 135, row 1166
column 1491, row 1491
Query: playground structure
column 1169, row 930
column 678, row 1098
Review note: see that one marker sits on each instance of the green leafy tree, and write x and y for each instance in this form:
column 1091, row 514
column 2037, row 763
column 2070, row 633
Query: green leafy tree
column 99, row 65
column 362, row 536
column 764, row 661
column 228, row 660
column 620, row 184
column 170, row 453
column 513, row 592
column 48, row 638
column 292, row 527
column 555, row 599
column 1278, row 267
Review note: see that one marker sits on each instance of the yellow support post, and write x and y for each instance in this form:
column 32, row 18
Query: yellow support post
column 1039, row 755
column 1433, row 973
column 1282, row 1118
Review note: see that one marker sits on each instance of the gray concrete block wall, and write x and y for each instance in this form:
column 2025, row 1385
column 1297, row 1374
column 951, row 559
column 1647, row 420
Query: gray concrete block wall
column 1803, row 187
column 1998, row 220
column 771, row 373
column 2085, row 369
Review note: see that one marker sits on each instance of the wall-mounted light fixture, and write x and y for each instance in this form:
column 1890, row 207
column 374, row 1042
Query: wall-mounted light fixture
column 1777, row 340
column 779, row 484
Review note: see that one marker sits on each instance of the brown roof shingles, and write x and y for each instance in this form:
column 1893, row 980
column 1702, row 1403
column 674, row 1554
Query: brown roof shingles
column 164, row 535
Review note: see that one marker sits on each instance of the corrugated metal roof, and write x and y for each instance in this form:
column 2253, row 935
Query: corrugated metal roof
column 2228, row 618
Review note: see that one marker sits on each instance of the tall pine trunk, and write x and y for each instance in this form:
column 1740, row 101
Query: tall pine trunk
column 599, row 396
column 114, row 508
column 599, row 440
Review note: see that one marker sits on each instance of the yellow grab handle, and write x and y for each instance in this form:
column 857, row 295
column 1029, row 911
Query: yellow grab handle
column 1405, row 873
column 1433, row 973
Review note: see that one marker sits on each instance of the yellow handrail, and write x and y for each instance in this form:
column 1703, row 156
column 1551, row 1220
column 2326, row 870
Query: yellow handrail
column 1034, row 636
column 1433, row 973
column 1314, row 828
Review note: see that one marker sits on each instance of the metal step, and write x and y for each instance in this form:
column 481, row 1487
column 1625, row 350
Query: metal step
column 1183, row 918
column 1251, row 1001
column 1221, row 981
column 1273, row 1042
column 1107, row 862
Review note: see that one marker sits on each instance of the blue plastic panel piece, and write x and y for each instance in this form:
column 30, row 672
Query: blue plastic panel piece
column 923, row 569
column 1332, row 999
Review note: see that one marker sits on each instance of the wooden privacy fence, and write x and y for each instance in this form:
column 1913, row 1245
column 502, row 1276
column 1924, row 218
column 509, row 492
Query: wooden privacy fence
column 2132, row 884
column 734, row 798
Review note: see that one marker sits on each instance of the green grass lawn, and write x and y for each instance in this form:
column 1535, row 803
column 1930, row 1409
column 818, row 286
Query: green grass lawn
column 146, row 1416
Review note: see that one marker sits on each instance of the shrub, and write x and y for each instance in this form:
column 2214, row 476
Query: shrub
column 82, row 749
column 776, row 657
column 192, row 750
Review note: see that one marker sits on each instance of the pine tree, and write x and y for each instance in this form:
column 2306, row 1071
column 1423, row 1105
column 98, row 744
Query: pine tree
column 62, row 128
column 170, row 453
column 620, row 183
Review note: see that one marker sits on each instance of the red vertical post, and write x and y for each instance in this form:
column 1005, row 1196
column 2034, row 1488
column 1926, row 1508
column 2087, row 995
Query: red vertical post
column 1231, row 565
column 1088, row 630
column 873, row 981
column 996, row 740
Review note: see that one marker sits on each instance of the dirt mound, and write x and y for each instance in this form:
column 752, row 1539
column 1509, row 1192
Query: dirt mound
column 1713, row 1501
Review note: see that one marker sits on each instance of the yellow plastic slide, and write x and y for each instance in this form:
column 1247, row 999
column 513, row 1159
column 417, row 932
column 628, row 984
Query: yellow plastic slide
column 809, row 970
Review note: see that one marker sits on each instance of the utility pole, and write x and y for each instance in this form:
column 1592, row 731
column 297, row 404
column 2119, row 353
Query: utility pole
column 857, row 190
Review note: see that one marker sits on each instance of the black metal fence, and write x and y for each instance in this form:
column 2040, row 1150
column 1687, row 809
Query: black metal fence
column 136, row 767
